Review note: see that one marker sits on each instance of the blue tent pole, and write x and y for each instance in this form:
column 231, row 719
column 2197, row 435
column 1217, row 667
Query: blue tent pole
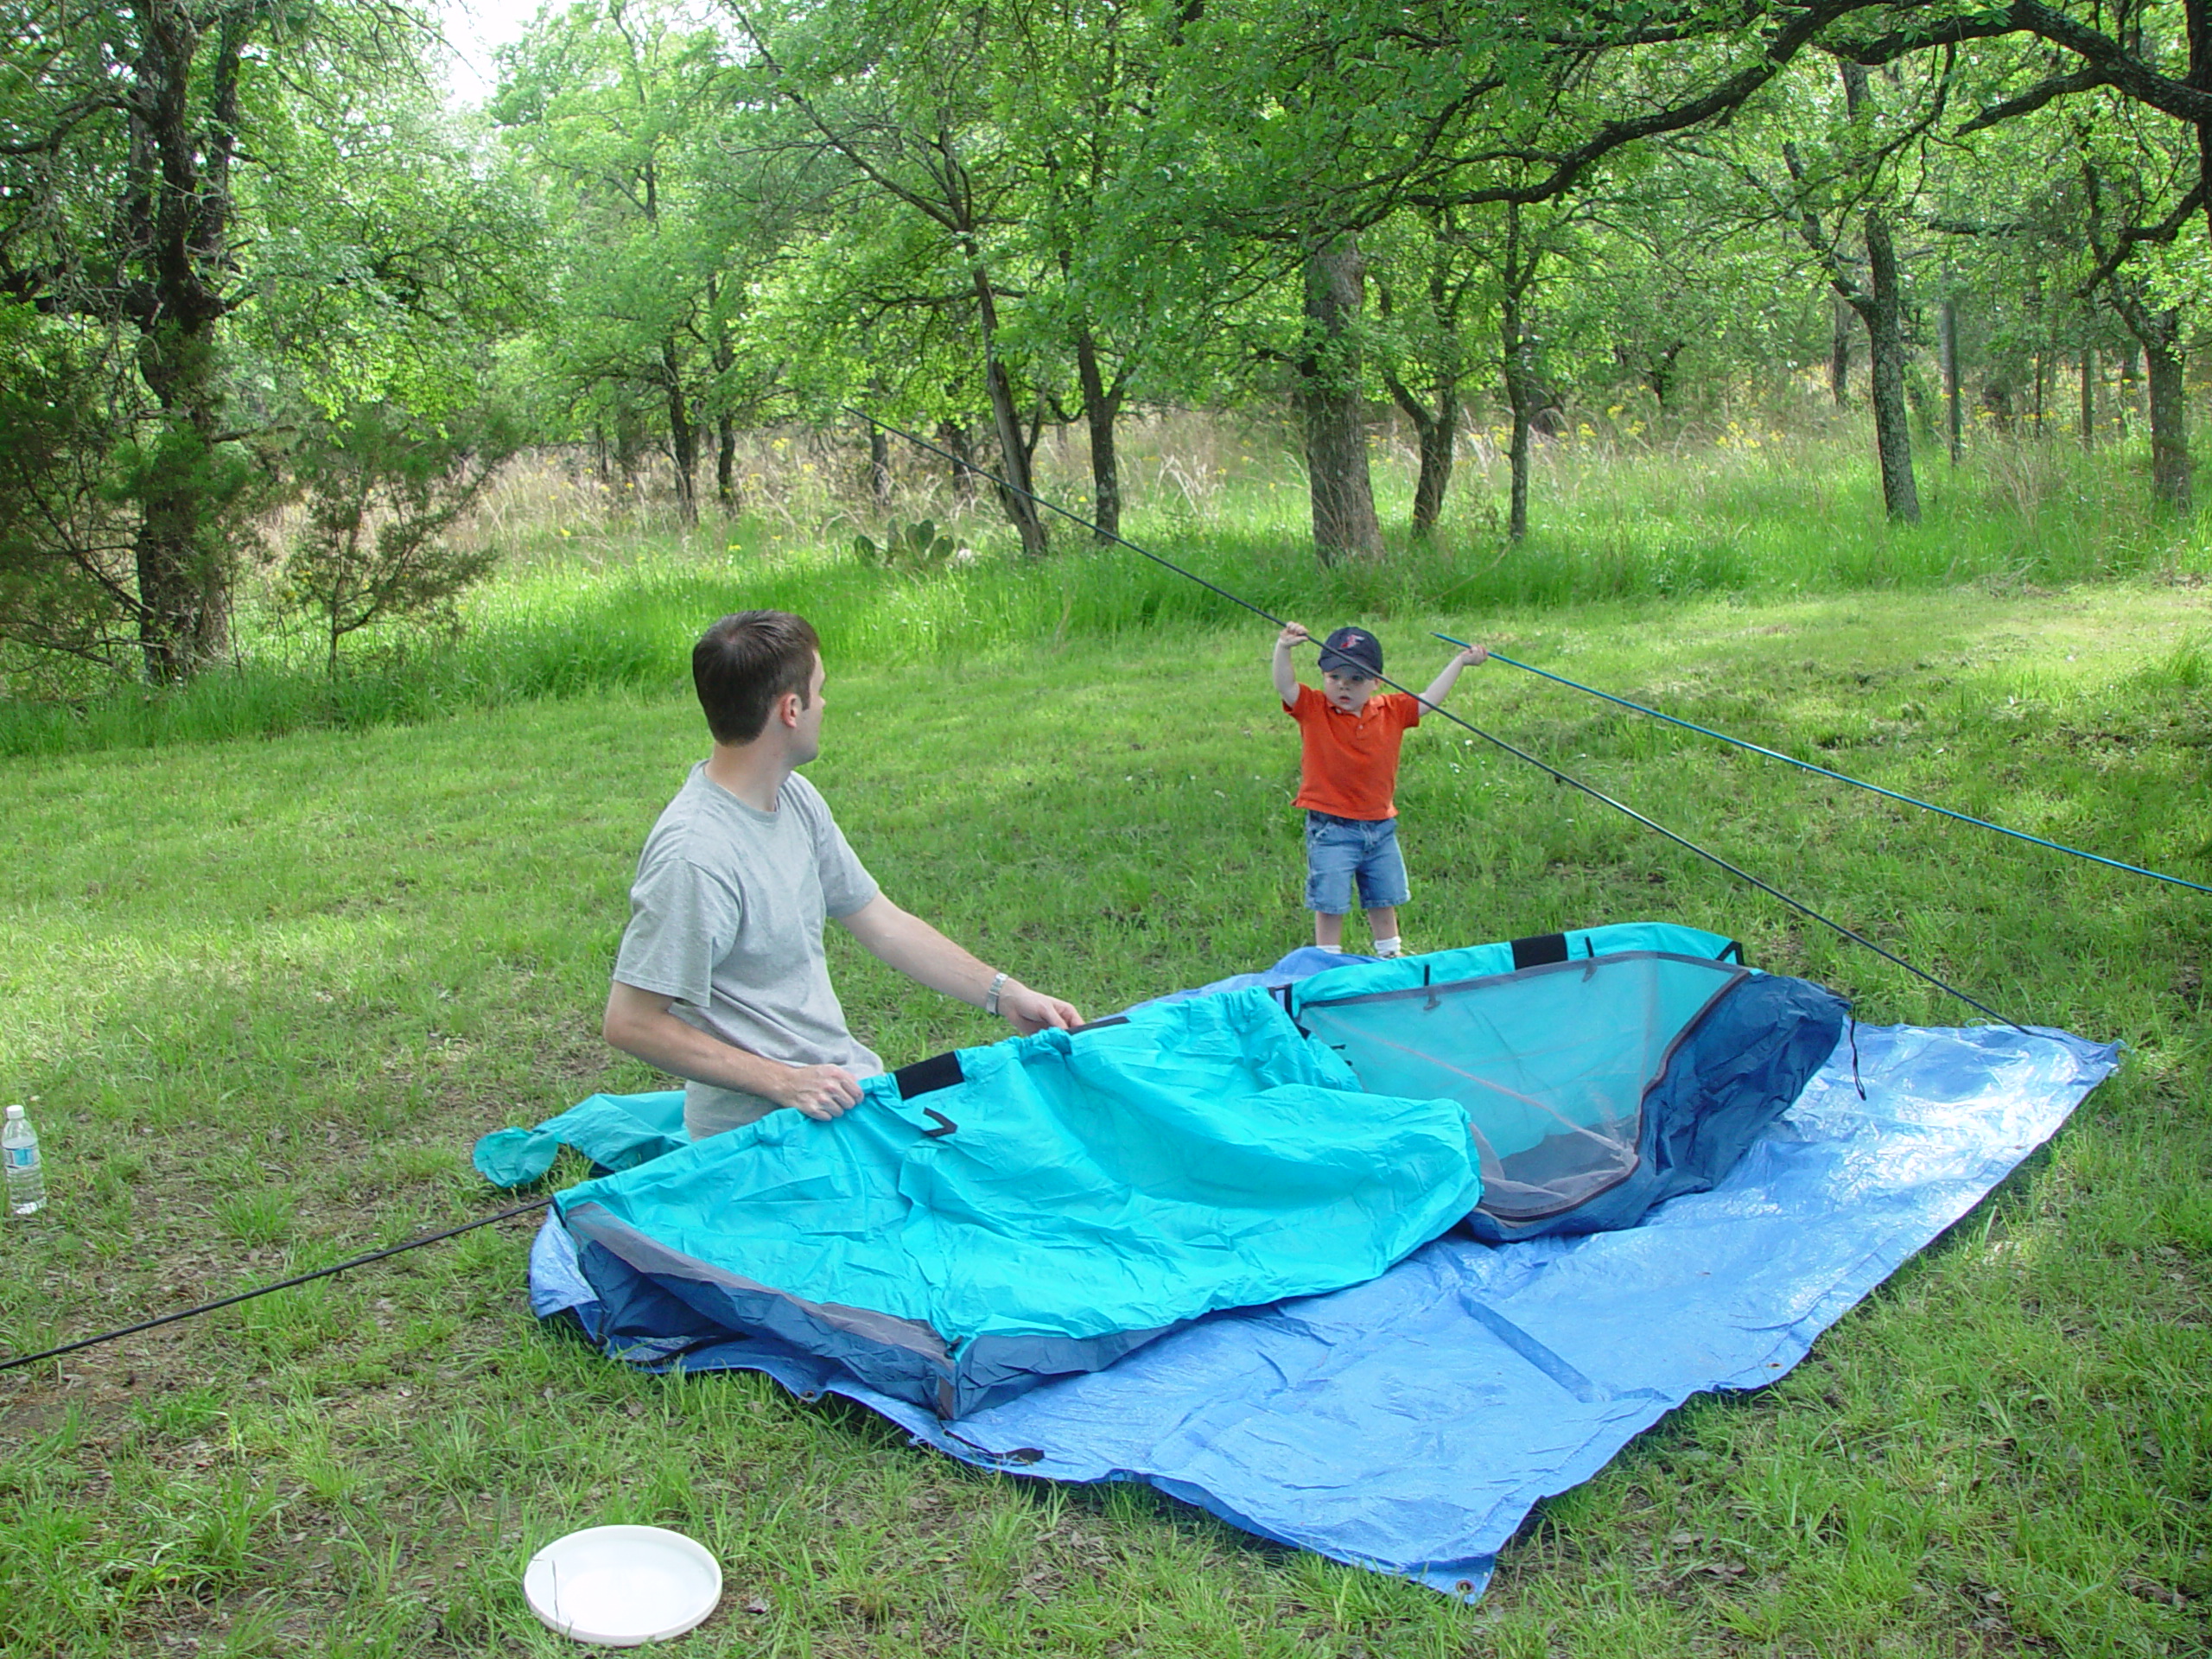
column 1875, row 789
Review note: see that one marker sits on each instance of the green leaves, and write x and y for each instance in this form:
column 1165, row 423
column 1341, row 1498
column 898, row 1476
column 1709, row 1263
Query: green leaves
column 384, row 489
column 915, row 550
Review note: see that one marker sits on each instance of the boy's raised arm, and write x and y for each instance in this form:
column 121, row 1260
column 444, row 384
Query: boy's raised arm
column 1441, row 687
column 1285, row 676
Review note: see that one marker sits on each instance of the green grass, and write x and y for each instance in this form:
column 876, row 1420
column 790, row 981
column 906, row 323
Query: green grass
column 611, row 607
column 266, row 993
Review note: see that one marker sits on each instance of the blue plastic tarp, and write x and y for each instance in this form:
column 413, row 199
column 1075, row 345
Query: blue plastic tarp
column 1408, row 1425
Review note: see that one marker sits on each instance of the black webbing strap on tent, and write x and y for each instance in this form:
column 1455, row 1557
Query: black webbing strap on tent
column 1545, row 767
column 927, row 1076
column 1539, row 952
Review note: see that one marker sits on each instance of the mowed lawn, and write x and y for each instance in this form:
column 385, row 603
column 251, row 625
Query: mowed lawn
column 265, row 994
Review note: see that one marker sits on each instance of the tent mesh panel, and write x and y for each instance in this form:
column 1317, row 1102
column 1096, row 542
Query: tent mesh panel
column 1551, row 1064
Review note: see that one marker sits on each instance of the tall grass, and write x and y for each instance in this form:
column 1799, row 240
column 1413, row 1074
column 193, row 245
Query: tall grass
column 598, row 592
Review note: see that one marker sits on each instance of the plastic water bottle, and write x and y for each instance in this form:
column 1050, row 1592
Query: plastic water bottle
column 26, row 1175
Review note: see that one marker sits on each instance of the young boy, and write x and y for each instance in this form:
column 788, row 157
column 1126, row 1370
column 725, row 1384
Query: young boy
column 1347, row 775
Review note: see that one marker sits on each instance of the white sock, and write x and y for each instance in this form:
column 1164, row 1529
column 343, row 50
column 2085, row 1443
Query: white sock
column 1332, row 950
column 1386, row 947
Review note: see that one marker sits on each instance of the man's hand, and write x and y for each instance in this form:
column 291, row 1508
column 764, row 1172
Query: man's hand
column 1028, row 1011
column 639, row 1022
column 920, row 952
column 821, row 1092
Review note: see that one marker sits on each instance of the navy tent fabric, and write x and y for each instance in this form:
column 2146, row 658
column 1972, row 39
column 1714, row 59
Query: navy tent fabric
column 1409, row 1424
column 1041, row 1206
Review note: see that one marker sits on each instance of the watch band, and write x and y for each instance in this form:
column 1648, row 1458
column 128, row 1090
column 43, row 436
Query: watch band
column 991, row 996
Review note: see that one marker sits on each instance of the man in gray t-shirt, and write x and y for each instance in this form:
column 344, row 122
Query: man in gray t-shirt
column 721, row 977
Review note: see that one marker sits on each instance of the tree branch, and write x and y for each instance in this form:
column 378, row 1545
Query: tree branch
column 2036, row 97
column 2135, row 235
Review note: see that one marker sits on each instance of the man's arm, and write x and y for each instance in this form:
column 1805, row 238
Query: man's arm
column 1285, row 676
column 1441, row 687
column 639, row 1022
column 920, row 951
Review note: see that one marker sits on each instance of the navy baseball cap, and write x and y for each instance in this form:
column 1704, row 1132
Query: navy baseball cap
column 1354, row 652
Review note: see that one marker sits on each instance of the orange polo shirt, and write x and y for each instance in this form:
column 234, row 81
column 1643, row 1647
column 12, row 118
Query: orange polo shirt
column 1348, row 763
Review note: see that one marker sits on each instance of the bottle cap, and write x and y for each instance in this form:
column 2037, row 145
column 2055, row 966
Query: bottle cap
column 15, row 1111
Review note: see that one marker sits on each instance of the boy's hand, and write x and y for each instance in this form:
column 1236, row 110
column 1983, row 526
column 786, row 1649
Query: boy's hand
column 1472, row 655
column 1280, row 669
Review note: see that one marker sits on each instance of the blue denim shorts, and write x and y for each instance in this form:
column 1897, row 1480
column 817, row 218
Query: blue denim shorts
column 1337, row 850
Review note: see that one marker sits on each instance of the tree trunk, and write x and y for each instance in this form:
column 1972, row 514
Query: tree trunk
column 1331, row 399
column 181, row 549
column 1438, row 441
column 2196, row 25
column 1525, row 396
column 1950, row 326
column 2089, row 398
column 1520, row 399
column 683, row 436
column 2170, row 467
column 1436, row 435
column 1017, row 495
column 1435, row 416
column 630, row 442
column 1884, row 327
column 176, row 207
column 724, row 357
column 1880, row 304
column 1100, row 407
column 1841, row 319
column 2158, row 333
column 879, row 466
column 954, row 437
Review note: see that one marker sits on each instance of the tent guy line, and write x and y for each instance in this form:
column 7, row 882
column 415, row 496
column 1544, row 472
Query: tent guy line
column 1777, row 754
column 1557, row 775
column 263, row 1290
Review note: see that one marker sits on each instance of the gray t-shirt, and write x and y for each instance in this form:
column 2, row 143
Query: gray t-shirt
column 725, row 917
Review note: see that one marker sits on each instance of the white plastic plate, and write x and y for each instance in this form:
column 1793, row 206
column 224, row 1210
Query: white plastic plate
column 622, row 1586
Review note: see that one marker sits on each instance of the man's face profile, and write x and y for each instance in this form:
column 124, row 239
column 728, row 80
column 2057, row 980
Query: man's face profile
column 806, row 735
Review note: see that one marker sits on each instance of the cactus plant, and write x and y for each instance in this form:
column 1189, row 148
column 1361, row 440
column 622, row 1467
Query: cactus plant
column 911, row 549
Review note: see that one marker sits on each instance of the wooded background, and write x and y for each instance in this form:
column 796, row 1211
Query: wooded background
column 249, row 256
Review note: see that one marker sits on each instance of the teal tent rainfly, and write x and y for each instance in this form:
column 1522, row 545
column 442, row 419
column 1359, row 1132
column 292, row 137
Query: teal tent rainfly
column 996, row 1217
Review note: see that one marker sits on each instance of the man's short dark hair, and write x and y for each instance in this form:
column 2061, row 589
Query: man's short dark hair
column 744, row 664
